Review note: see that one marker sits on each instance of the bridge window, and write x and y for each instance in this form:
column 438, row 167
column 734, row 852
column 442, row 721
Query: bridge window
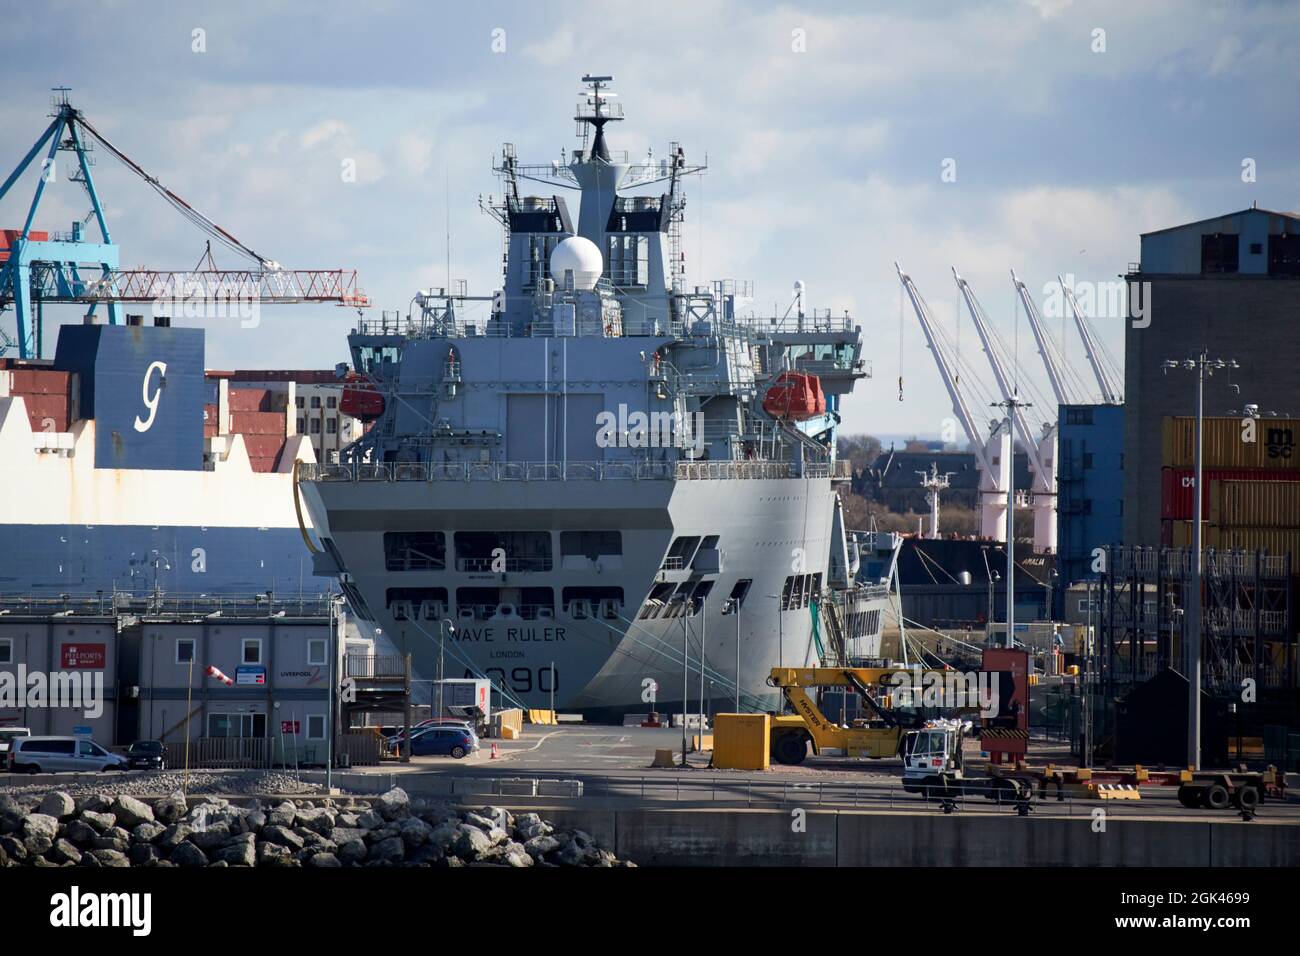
column 590, row 544
column 415, row 551
column 499, row 551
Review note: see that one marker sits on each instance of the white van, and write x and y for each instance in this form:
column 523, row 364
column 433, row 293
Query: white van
column 9, row 733
column 53, row 754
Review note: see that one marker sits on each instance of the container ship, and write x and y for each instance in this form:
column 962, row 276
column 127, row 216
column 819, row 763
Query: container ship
column 129, row 469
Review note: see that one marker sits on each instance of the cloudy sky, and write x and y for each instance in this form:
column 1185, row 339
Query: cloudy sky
column 1071, row 128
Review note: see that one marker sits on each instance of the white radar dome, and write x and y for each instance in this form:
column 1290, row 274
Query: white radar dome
column 579, row 256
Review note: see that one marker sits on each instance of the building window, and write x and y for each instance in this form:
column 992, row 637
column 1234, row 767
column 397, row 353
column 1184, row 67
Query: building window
column 1087, row 459
column 237, row 725
column 315, row 726
column 315, row 426
column 184, row 650
column 1078, row 416
column 6, row 650
column 252, row 650
column 332, row 426
column 315, row 401
column 298, row 401
column 332, row 402
column 316, row 651
column 1085, row 506
column 1284, row 255
column 302, row 423
column 1219, row 253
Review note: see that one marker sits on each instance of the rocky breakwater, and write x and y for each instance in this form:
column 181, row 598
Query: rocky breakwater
column 116, row 831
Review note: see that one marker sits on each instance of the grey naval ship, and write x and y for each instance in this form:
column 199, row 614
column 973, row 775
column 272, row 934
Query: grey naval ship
column 574, row 481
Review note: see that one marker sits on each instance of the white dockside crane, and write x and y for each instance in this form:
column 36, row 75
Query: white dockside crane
column 1110, row 393
column 1053, row 360
column 1040, row 449
column 993, row 450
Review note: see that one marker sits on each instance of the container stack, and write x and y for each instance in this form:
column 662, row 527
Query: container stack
column 1251, row 495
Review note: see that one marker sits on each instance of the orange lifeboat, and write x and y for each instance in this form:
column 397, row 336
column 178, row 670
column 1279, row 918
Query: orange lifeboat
column 795, row 396
column 361, row 399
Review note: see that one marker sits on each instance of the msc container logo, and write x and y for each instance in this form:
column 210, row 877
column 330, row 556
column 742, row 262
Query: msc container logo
column 1280, row 443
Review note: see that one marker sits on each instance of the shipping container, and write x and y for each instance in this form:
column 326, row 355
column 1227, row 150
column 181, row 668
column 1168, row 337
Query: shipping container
column 48, row 413
column 1177, row 502
column 39, row 381
column 1224, row 444
column 250, row 400
column 1255, row 504
column 1272, row 540
column 257, row 423
column 264, row 448
column 1182, row 535
column 210, row 423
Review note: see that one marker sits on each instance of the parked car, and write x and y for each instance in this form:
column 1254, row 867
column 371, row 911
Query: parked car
column 147, row 755
column 53, row 754
column 455, row 742
column 9, row 733
column 398, row 734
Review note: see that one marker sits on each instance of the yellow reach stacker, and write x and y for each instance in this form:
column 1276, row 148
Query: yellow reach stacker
column 876, row 736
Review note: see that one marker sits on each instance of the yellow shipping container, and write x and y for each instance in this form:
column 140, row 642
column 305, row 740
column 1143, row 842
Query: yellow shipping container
column 1225, row 444
column 1183, row 535
column 1272, row 540
column 1255, row 504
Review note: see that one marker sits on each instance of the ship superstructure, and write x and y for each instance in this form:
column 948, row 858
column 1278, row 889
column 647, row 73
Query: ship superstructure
column 597, row 469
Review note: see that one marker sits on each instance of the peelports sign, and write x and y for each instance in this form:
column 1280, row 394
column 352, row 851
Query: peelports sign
column 83, row 657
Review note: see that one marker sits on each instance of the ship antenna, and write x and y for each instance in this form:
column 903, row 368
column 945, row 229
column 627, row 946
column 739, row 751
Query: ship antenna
column 600, row 113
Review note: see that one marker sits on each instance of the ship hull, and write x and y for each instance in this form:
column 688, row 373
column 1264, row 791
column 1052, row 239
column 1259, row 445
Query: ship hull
column 767, row 530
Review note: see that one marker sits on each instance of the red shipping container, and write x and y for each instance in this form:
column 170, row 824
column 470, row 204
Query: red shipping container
column 48, row 412
column 250, row 400
column 257, row 423
column 1177, row 503
column 40, row 381
column 263, row 446
column 210, row 421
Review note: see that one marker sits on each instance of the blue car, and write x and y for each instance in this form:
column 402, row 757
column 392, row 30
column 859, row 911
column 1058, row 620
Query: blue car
column 441, row 742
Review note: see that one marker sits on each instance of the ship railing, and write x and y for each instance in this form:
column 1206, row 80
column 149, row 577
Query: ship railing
column 489, row 612
column 166, row 604
column 570, row 471
column 479, row 565
column 820, row 320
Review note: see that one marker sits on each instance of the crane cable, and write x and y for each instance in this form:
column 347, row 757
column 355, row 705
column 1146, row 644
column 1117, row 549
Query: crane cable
column 184, row 208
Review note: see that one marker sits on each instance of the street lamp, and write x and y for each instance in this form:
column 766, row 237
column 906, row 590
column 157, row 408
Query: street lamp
column 445, row 627
column 1202, row 365
column 733, row 607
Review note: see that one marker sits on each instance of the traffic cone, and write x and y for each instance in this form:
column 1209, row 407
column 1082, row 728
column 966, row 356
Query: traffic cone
column 494, row 750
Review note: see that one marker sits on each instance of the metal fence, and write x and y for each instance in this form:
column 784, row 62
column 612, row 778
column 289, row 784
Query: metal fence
column 571, row 471
column 695, row 789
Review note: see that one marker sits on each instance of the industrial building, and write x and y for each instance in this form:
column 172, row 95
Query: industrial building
column 1229, row 284
column 1089, row 488
column 152, row 655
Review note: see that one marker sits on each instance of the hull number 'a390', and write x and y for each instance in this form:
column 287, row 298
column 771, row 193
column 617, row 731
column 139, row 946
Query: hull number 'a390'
column 523, row 680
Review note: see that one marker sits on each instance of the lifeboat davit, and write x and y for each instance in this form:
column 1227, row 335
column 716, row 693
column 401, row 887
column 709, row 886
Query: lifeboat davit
column 361, row 399
column 795, row 396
